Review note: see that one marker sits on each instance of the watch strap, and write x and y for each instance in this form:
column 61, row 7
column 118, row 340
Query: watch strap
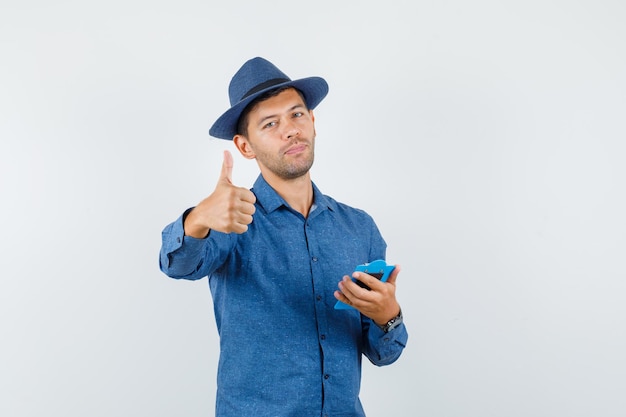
column 391, row 324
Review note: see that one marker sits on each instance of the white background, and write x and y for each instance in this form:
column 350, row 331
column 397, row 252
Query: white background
column 487, row 138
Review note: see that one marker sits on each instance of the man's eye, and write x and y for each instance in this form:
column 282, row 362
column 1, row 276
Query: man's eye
column 298, row 114
column 270, row 124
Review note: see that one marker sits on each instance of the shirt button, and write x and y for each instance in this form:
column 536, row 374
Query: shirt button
column 314, row 259
column 318, row 298
column 323, row 337
column 326, row 376
column 178, row 239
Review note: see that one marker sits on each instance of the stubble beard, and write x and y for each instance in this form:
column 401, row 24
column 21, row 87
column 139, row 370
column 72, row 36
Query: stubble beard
column 287, row 167
column 289, row 170
column 296, row 169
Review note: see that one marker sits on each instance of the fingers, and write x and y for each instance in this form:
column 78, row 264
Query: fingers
column 350, row 289
column 241, row 214
column 373, row 282
column 379, row 303
column 247, row 196
column 231, row 208
column 341, row 297
column 227, row 168
column 378, row 292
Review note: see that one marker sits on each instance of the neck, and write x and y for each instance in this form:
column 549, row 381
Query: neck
column 297, row 192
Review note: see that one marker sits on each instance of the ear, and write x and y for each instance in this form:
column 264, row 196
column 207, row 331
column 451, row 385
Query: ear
column 243, row 146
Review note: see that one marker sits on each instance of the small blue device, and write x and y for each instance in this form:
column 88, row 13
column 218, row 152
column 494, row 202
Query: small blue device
column 378, row 269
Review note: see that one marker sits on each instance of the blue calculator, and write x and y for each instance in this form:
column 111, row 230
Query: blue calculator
column 378, row 269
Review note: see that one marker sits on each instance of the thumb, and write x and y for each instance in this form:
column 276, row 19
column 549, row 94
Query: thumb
column 394, row 275
column 227, row 168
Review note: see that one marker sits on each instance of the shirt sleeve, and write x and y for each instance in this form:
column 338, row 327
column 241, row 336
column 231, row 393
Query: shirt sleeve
column 383, row 348
column 186, row 257
column 379, row 347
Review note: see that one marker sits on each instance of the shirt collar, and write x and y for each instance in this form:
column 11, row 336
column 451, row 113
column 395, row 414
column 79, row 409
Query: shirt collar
column 269, row 199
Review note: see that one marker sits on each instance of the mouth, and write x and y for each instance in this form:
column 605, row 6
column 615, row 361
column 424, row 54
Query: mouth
column 296, row 149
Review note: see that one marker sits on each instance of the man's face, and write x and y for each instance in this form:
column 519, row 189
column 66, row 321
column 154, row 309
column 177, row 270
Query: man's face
column 281, row 135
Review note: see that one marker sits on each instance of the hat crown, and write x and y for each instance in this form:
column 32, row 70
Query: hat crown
column 255, row 75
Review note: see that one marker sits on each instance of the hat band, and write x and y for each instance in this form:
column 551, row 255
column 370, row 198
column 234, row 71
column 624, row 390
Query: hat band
column 264, row 85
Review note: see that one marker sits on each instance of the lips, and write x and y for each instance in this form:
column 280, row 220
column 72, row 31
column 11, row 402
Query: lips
column 295, row 149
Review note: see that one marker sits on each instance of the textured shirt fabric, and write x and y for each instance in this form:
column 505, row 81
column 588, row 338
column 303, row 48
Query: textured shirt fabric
column 284, row 349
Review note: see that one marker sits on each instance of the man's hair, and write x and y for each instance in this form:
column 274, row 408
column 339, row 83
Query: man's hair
column 242, row 123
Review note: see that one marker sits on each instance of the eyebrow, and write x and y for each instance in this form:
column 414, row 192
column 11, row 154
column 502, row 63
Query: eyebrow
column 270, row 116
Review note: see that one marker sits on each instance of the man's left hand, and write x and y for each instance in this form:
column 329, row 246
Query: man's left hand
column 379, row 304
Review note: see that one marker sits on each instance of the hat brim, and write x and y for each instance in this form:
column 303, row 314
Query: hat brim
column 313, row 88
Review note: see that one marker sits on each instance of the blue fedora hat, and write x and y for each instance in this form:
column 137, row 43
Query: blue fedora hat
column 254, row 78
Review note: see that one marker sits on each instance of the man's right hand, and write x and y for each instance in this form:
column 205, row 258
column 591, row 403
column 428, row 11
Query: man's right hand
column 228, row 209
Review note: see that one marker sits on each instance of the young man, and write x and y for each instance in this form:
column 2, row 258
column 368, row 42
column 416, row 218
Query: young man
column 278, row 258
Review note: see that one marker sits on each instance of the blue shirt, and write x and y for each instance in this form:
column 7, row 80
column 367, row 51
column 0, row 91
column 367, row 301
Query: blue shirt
column 284, row 349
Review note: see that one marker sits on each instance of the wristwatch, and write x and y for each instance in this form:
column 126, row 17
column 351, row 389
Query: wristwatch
column 391, row 324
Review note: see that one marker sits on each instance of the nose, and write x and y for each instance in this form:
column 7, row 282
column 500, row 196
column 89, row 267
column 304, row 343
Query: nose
column 291, row 130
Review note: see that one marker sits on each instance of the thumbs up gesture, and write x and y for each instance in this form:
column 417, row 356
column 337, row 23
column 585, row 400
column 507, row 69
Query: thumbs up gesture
column 228, row 209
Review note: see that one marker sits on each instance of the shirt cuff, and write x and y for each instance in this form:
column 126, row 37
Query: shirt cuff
column 174, row 238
